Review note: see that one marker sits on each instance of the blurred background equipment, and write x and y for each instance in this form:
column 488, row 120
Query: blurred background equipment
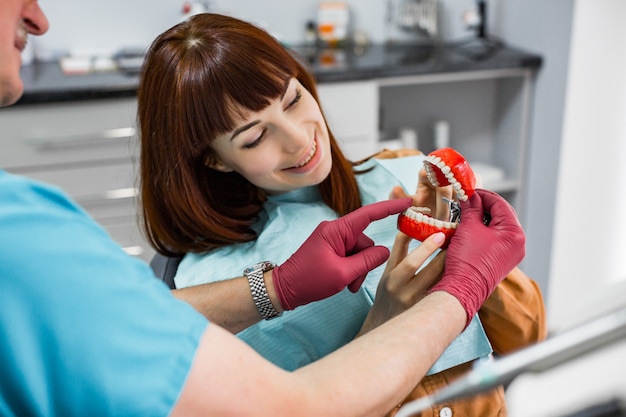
column 333, row 23
column 476, row 19
column 555, row 351
column 418, row 16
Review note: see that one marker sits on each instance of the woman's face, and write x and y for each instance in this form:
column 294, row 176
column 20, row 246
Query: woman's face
column 281, row 148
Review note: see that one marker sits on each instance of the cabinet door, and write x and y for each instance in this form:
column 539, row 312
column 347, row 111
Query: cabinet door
column 486, row 113
column 351, row 110
column 67, row 133
column 89, row 149
column 130, row 237
column 98, row 188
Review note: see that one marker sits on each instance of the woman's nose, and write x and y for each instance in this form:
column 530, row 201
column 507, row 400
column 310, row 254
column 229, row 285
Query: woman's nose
column 294, row 137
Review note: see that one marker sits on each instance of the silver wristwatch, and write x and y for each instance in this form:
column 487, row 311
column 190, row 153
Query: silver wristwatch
column 261, row 299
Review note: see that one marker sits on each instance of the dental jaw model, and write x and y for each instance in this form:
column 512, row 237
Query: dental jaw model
column 443, row 167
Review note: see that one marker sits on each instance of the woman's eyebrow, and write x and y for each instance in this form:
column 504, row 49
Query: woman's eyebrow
column 256, row 122
column 285, row 88
column 244, row 127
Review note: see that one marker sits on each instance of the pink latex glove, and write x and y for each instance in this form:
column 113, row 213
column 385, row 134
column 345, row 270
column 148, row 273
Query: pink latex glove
column 336, row 255
column 479, row 255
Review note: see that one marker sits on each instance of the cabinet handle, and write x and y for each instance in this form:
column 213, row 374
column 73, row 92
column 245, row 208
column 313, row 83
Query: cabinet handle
column 134, row 250
column 70, row 139
column 117, row 194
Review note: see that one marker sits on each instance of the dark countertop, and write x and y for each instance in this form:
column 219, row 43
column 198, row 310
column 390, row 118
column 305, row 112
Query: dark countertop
column 44, row 82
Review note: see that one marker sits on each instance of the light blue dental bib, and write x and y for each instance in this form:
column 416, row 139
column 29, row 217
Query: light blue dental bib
column 305, row 334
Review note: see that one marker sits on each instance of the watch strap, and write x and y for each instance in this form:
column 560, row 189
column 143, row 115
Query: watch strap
column 258, row 289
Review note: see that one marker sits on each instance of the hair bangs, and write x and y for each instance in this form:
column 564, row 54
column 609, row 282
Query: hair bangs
column 224, row 88
column 248, row 86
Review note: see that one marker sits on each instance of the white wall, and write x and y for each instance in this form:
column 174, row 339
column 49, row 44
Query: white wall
column 588, row 272
column 543, row 27
column 589, row 236
column 106, row 26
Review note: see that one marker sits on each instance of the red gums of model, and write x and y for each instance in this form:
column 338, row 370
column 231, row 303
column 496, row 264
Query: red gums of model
column 462, row 173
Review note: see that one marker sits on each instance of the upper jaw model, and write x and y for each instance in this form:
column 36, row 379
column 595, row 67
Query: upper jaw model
column 443, row 167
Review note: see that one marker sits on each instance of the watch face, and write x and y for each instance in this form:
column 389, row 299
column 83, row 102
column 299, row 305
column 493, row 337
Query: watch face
column 265, row 266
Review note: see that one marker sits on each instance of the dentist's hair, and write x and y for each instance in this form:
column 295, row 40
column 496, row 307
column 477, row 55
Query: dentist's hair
column 196, row 78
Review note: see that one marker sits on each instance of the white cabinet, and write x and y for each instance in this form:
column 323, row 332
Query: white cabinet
column 89, row 149
column 45, row 135
column 487, row 112
column 351, row 110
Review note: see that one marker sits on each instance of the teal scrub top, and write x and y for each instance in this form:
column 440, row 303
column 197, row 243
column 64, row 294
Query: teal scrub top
column 86, row 329
column 309, row 332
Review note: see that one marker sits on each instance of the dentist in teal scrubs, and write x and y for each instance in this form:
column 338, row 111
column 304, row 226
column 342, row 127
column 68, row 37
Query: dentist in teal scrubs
column 88, row 331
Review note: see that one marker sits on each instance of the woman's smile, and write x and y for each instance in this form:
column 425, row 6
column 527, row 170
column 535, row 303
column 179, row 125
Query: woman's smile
column 309, row 161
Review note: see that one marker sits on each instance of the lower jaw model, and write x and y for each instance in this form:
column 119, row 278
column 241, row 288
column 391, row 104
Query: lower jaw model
column 443, row 167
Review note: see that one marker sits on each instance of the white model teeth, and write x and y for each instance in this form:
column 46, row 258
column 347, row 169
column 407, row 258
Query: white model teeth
column 310, row 156
column 419, row 214
column 432, row 177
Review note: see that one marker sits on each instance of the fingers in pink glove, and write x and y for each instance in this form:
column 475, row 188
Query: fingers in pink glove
column 363, row 243
column 356, row 222
column 365, row 261
column 365, row 258
column 359, row 219
column 479, row 255
column 499, row 210
column 500, row 214
column 336, row 255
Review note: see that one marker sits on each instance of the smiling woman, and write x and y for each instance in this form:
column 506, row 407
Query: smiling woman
column 233, row 76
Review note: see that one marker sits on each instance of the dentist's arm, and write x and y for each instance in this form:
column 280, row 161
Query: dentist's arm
column 336, row 255
column 373, row 373
column 367, row 377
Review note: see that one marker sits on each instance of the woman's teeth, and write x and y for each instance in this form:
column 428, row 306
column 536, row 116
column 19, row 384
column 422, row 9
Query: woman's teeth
column 309, row 156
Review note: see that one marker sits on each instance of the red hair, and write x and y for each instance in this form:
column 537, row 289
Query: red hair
column 194, row 78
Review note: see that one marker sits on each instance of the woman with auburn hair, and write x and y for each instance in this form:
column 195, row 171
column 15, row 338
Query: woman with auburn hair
column 238, row 163
column 196, row 80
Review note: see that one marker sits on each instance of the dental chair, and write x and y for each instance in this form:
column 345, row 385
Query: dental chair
column 164, row 268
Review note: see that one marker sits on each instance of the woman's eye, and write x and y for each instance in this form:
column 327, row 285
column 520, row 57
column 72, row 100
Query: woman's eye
column 295, row 100
column 256, row 142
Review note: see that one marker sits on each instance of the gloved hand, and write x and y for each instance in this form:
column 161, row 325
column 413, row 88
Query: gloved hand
column 479, row 255
column 336, row 255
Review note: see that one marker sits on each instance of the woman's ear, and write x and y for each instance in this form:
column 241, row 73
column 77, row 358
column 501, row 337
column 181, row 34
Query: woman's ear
column 220, row 166
column 217, row 165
